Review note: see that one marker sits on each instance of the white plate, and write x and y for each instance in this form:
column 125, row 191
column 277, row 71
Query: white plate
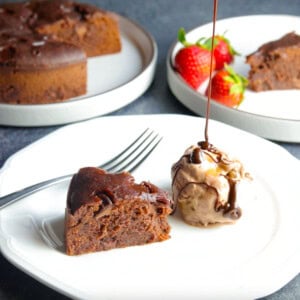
column 254, row 257
column 271, row 114
column 113, row 82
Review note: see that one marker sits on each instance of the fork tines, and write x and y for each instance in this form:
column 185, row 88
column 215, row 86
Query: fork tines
column 135, row 154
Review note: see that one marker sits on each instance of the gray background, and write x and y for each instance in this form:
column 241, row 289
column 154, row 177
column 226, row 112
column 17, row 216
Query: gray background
column 161, row 18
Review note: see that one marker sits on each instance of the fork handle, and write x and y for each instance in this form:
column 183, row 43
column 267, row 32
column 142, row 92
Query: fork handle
column 18, row 195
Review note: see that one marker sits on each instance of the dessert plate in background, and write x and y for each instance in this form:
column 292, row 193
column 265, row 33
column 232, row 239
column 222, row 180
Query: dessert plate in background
column 113, row 82
column 253, row 258
column 272, row 114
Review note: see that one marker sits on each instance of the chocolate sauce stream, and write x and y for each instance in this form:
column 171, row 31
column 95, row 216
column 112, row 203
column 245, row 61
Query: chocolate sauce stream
column 210, row 74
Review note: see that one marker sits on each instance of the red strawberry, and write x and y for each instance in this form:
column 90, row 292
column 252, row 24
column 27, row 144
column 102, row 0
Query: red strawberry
column 223, row 51
column 193, row 62
column 227, row 87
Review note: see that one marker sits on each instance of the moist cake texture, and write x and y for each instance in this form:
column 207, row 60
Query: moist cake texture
column 276, row 64
column 106, row 211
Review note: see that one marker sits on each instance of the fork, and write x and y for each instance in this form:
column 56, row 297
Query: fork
column 128, row 159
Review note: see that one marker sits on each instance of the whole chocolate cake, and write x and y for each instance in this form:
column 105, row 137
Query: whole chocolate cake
column 276, row 64
column 44, row 47
column 106, row 211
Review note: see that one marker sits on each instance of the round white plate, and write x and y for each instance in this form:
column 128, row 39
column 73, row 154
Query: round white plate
column 271, row 114
column 113, row 82
column 250, row 259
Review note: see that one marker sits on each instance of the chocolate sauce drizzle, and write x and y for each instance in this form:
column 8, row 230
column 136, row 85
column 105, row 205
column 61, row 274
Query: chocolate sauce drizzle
column 207, row 115
column 229, row 208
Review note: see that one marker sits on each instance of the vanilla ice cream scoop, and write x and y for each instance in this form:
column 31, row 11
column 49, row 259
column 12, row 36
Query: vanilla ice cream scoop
column 204, row 185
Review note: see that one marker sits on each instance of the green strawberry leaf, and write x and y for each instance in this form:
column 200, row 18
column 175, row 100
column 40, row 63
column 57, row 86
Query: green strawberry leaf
column 232, row 51
column 207, row 43
column 181, row 36
column 239, row 82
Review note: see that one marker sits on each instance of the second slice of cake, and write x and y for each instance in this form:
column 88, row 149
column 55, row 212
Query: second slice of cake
column 276, row 64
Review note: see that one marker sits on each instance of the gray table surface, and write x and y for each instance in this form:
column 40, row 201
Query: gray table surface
column 161, row 18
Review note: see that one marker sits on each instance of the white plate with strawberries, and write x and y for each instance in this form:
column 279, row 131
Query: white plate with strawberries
column 270, row 114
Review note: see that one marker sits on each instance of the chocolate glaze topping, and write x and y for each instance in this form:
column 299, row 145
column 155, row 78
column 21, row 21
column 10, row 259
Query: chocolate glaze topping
column 35, row 51
column 48, row 11
column 110, row 188
column 290, row 39
column 13, row 18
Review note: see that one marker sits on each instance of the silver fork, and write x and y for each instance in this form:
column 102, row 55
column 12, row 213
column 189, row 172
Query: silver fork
column 127, row 160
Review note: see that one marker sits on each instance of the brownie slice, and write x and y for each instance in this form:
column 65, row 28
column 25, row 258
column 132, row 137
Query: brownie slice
column 106, row 211
column 276, row 65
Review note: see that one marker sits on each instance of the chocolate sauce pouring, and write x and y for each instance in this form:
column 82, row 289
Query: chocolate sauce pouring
column 210, row 74
column 235, row 212
column 206, row 151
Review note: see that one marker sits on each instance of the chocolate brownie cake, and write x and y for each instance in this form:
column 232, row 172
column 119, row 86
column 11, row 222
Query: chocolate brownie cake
column 44, row 47
column 106, row 211
column 276, row 64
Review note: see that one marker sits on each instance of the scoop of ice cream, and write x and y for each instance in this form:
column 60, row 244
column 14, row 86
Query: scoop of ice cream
column 204, row 185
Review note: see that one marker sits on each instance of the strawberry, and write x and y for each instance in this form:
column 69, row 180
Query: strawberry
column 227, row 87
column 223, row 51
column 193, row 62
